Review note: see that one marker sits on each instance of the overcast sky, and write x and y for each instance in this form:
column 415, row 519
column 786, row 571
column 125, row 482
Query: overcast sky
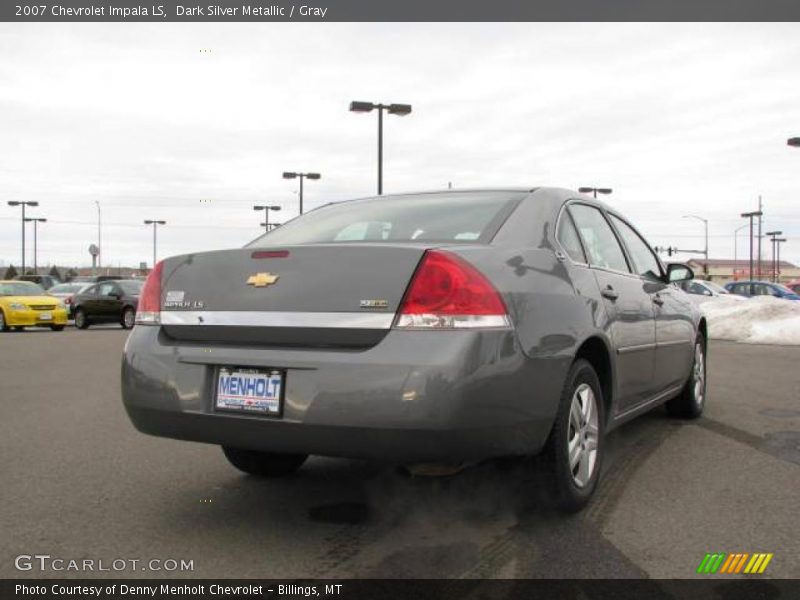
column 676, row 118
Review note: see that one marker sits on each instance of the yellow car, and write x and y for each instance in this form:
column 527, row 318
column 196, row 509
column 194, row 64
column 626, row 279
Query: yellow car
column 25, row 304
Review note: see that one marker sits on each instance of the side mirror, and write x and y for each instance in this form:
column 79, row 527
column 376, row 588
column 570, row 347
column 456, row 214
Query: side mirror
column 678, row 272
column 116, row 295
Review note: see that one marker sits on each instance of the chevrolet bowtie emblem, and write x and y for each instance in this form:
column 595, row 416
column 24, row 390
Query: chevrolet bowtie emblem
column 262, row 279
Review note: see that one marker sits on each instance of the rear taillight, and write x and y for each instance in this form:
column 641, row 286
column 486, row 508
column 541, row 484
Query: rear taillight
column 447, row 292
column 148, row 311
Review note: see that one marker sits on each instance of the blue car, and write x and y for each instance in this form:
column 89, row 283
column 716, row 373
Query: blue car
column 761, row 288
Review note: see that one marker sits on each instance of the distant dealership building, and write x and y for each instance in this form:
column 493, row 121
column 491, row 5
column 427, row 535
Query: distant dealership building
column 723, row 270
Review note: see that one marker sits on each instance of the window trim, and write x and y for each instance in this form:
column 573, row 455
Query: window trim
column 600, row 209
column 564, row 211
column 662, row 273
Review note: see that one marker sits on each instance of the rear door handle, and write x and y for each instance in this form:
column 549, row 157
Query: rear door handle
column 658, row 300
column 609, row 293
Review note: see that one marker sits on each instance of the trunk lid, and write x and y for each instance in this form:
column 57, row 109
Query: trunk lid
column 311, row 295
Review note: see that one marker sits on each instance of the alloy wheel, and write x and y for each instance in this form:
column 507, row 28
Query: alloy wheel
column 583, row 435
column 699, row 374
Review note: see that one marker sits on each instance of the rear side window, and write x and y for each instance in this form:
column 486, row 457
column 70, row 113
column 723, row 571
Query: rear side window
column 449, row 217
column 644, row 261
column 598, row 238
column 568, row 238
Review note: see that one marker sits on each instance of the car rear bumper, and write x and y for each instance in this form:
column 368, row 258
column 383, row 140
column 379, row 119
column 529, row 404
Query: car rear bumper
column 416, row 396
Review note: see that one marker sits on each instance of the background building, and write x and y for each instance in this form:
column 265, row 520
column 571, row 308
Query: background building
column 722, row 270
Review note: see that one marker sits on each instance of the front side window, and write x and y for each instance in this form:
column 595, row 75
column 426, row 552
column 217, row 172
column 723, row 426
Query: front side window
column 598, row 238
column 568, row 238
column 644, row 261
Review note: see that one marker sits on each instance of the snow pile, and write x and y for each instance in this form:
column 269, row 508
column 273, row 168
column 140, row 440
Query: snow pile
column 761, row 320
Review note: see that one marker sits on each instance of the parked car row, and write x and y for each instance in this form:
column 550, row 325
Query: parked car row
column 749, row 289
column 27, row 304
column 701, row 291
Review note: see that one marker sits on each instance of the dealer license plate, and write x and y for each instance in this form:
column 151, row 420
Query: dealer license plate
column 45, row 316
column 249, row 390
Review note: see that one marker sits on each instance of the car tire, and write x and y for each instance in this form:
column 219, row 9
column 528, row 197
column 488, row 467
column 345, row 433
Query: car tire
column 19, row 328
column 3, row 325
column 264, row 464
column 128, row 318
column 57, row 327
column 690, row 402
column 81, row 321
column 573, row 453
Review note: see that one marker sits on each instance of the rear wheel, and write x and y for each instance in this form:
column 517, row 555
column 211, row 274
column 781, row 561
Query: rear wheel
column 19, row 328
column 128, row 318
column 81, row 322
column 574, row 450
column 57, row 327
column 264, row 464
column 3, row 325
column 689, row 404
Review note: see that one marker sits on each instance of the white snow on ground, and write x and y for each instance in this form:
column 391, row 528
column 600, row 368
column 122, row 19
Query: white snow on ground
column 762, row 320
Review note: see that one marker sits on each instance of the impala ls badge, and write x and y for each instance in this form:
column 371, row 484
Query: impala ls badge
column 262, row 279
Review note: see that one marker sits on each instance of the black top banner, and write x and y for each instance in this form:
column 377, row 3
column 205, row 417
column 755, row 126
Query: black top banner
column 254, row 11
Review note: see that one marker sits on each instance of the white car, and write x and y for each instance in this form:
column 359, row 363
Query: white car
column 701, row 291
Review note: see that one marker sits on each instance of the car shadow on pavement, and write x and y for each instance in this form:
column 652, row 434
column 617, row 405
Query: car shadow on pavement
column 372, row 520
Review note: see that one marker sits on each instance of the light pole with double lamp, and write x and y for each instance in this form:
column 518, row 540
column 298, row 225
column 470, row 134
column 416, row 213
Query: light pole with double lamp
column 155, row 225
column 301, row 176
column 23, row 204
column 266, row 208
column 595, row 190
column 750, row 215
column 400, row 110
column 736, row 247
column 35, row 222
column 778, row 242
column 773, row 235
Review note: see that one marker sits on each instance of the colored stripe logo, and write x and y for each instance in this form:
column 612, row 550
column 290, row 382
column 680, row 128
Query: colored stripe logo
column 737, row 562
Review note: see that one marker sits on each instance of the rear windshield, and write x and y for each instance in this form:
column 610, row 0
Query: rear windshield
column 67, row 288
column 447, row 217
column 131, row 287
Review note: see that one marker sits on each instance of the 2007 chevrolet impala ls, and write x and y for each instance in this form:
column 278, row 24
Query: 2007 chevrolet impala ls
column 423, row 328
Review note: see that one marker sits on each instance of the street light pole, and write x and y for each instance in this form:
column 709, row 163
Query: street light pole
column 99, row 241
column 594, row 190
column 401, row 110
column 23, row 204
column 155, row 225
column 760, row 212
column 705, row 252
column 35, row 222
column 778, row 242
column 735, row 247
column 266, row 209
column 750, row 215
column 301, row 176
column 774, row 234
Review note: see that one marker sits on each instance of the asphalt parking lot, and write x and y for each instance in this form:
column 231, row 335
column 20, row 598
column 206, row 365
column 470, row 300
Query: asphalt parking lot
column 79, row 482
